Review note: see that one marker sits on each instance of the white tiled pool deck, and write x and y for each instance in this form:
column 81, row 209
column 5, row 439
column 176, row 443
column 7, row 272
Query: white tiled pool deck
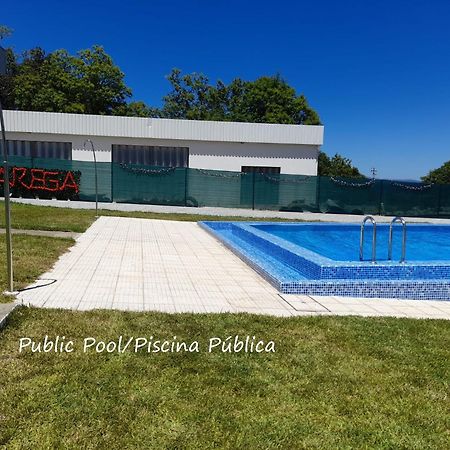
column 157, row 265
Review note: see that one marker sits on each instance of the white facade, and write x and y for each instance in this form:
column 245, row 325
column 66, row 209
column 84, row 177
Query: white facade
column 212, row 145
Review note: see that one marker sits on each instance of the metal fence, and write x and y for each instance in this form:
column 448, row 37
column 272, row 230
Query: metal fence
column 198, row 187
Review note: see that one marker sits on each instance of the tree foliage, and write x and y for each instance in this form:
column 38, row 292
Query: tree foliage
column 272, row 100
column 267, row 100
column 337, row 166
column 136, row 109
column 88, row 82
column 440, row 175
column 7, row 81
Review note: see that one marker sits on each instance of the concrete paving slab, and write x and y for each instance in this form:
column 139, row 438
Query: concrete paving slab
column 5, row 310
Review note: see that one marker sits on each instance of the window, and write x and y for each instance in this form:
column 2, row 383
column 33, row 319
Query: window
column 38, row 149
column 151, row 156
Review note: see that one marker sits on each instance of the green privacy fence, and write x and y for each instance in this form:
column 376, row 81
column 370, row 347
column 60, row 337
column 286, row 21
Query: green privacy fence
column 383, row 197
column 128, row 183
column 86, row 182
column 152, row 185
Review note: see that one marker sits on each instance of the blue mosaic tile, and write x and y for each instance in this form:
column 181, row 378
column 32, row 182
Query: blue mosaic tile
column 293, row 269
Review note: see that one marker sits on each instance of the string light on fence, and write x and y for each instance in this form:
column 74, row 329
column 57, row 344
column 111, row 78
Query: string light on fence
column 220, row 175
column 141, row 171
column 411, row 187
column 350, row 184
column 278, row 180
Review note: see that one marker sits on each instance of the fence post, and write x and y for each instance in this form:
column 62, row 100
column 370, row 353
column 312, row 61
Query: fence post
column 112, row 181
column 380, row 203
column 185, row 185
column 318, row 193
column 253, row 190
column 439, row 199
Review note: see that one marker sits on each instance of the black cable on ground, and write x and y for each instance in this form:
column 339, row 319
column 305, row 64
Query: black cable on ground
column 52, row 280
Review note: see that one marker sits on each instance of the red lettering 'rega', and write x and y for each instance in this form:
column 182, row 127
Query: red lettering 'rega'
column 51, row 181
column 37, row 179
column 69, row 182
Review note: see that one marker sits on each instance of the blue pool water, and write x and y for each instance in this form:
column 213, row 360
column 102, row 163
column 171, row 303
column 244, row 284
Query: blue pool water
column 323, row 259
column 341, row 242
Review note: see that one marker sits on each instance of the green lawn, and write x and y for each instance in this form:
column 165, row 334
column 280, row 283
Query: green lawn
column 333, row 383
column 32, row 255
column 31, row 217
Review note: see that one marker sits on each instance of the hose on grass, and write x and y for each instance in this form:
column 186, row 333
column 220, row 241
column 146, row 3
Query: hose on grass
column 52, row 280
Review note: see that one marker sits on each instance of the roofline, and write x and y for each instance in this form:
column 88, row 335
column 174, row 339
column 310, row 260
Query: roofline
column 153, row 128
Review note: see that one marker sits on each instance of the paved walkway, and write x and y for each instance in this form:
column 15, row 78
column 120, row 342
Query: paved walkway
column 5, row 310
column 157, row 265
column 210, row 211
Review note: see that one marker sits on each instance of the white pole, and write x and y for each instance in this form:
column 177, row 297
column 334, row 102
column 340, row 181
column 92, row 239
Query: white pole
column 9, row 262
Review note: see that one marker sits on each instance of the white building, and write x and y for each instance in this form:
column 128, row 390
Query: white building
column 273, row 148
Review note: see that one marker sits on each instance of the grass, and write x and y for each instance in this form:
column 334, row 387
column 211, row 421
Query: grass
column 32, row 217
column 333, row 383
column 32, row 255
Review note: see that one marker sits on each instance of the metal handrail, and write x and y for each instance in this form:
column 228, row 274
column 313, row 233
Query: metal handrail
column 391, row 232
column 374, row 239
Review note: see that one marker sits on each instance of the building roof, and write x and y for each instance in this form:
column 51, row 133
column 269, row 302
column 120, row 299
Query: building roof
column 192, row 130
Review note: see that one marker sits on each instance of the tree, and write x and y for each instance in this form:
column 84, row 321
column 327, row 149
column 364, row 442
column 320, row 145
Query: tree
column 136, row 109
column 6, row 84
column 271, row 100
column 102, row 82
column 440, row 175
column 6, row 81
column 87, row 83
column 192, row 97
column 337, row 166
column 266, row 100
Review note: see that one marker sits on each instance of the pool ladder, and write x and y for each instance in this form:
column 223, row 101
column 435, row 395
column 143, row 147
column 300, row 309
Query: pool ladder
column 374, row 238
column 402, row 221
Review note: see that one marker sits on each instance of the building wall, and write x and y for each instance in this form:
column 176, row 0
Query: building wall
column 291, row 158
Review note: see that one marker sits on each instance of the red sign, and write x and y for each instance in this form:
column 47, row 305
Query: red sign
column 41, row 179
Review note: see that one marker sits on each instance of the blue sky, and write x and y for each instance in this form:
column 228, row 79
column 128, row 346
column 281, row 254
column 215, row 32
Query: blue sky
column 376, row 71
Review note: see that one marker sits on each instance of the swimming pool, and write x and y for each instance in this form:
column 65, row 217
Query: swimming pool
column 323, row 259
column 341, row 242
